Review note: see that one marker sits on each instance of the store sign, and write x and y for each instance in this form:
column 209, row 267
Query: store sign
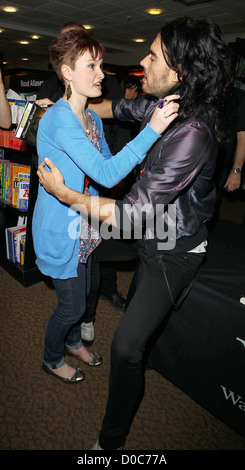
column 28, row 82
column 31, row 83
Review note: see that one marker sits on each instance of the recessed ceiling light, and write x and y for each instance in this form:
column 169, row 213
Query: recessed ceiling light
column 9, row 9
column 139, row 40
column 88, row 26
column 155, row 11
column 35, row 36
column 23, row 42
column 24, row 58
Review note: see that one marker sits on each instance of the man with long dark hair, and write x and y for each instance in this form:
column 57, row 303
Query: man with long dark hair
column 170, row 204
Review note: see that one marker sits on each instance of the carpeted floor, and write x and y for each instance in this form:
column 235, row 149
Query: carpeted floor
column 39, row 412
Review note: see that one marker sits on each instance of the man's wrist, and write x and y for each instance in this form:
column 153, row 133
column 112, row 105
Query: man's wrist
column 62, row 193
column 236, row 170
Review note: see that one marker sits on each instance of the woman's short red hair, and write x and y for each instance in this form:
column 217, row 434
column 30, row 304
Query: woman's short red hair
column 69, row 45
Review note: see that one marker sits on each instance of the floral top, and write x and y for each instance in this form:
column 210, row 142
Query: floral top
column 90, row 237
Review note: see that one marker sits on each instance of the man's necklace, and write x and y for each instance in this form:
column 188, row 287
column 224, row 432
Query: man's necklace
column 86, row 128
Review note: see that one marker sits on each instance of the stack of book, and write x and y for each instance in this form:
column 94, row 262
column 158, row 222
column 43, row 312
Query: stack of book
column 17, row 107
column 14, row 183
column 15, row 243
column 9, row 140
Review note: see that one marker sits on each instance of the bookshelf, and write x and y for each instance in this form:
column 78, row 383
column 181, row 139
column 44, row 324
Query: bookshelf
column 28, row 274
column 25, row 83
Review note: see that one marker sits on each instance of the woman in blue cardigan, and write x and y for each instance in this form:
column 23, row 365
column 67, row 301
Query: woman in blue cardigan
column 72, row 136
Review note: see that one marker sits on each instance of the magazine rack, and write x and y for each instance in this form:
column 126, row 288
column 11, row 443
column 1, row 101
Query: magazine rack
column 28, row 274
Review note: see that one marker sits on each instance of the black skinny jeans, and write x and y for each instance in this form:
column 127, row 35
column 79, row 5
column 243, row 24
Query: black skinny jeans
column 149, row 302
column 106, row 255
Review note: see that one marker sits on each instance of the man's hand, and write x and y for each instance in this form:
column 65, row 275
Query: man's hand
column 52, row 181
column 233, row 182
column 94, row 206
column 44, row 102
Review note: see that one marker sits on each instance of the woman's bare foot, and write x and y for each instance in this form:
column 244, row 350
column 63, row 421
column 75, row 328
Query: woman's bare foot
column 65, row 371
column 91, row 359
column 83, row 353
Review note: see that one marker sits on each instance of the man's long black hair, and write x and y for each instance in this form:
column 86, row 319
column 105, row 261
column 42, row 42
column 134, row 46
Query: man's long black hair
column 203, row 62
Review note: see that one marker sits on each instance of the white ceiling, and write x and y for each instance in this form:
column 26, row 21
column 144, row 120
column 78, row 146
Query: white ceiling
column 116, row 23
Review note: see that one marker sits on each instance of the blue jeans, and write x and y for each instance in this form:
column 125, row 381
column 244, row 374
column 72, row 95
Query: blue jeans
column 64, row 326
column 150, row 299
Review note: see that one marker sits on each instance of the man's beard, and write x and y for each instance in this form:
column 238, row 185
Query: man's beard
column 161, row 90
column 161, row 93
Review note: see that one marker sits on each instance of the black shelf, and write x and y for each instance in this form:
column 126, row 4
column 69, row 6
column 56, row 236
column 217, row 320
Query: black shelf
column 5, row 204
column 27, row 277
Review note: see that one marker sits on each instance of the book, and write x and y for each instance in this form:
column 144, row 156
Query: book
column 23, row 96
column 23, row 119
column 19, row 244
column 17, row 107
column 28, row 126
column 15, row 241
column 23, row 194
column 3, row 178
column 22, row 249
column 8, row 139
column 15, row 186
column 7, row 180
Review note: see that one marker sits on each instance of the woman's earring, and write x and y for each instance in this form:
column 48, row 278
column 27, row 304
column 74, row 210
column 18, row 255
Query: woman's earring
column 68, row 91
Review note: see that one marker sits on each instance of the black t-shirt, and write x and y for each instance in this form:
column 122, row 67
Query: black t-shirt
column 52, row 89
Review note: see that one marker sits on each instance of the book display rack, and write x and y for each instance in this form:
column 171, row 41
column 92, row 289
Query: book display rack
column 25, row 271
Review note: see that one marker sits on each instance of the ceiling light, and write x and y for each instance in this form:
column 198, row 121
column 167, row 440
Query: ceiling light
column 139, row 40
column 1, row 30
column 9, row 9
column 35, row 36
column 23, row 42
column 24, row 58
column 88, row 26
column 155, row 11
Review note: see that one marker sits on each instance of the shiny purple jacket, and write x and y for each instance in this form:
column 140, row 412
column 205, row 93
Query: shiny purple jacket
column 179, row 169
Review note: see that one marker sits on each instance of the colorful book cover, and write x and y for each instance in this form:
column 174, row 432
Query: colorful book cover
column 23, row 194
column 19, row 236
column 16, row 183
column 8, row 140
column 3, row 178
column 14, row 237
column 22, row 248
column 7, row 180
column 15, row 143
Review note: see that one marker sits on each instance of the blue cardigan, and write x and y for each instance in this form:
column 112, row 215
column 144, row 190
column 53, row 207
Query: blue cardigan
column 56, row 227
